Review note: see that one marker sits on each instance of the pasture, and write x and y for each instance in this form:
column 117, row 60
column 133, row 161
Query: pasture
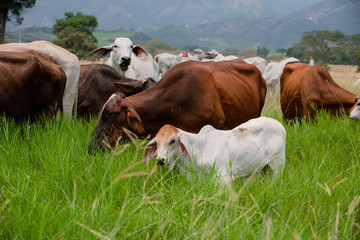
column 51, row 188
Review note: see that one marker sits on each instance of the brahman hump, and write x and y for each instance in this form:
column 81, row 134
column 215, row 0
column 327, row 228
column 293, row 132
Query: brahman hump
column 31, row 84
column 190, row 95
column 98, row 82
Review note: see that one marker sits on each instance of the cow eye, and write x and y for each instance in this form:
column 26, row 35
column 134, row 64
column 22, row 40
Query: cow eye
column 132, row 46
column 172, row 142
column 109, row 114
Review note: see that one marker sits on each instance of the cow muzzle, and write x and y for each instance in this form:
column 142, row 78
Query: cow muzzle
column 160, row 161
column 125, row 63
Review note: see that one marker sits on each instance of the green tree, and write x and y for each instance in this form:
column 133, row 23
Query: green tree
column 232, row 51
column 75, row 33
column 12, row 9
column 155, row 46
column 262, row 51
column 79, row 43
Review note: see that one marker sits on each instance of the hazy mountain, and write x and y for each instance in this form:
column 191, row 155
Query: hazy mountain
column 150, row 14
column 213, row 23
column 284, row 31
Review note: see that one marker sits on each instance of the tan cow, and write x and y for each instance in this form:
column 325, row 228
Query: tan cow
column 306, row 89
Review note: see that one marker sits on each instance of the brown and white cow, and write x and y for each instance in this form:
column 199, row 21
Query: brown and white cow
column 31, row 84
column 191, row 95
column 98, row 82
column 68, row 61
column 306, row 89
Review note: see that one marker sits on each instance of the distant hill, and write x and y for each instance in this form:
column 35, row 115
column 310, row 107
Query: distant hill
column 215, row 24
column 145, row 15
column 274, row 33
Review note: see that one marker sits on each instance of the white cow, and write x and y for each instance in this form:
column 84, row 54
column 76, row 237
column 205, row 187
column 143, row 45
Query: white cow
column 356, row 83
column 167, row 60
column 219, row 57
column 355, row 112
column 131, row 60
column 68, row 61
column 239, row 152
column 259, row 62
column 273, row 73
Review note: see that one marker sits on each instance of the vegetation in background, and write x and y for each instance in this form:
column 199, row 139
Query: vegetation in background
column 262, row 51
column 12, row 9
column 75, row 33
column 327, row 47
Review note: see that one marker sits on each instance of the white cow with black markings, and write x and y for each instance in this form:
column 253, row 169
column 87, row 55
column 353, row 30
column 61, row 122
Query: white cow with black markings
column 65, row 59
column 239, row 152
column 131, row 60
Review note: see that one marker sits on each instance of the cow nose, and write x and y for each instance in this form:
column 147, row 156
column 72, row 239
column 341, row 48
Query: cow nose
column 126, row 61
column 160, row 161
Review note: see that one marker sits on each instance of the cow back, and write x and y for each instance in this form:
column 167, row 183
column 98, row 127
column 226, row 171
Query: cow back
column 306, row 89
column 193, row 94
column 31, row 84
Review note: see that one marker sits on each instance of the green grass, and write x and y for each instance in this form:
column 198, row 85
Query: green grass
column 51, row 188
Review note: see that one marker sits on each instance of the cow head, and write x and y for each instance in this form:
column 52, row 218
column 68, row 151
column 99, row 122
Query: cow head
column 116, row 117
column 355, row 111
column 168, row 146
column 131, row 87
column 121, row 52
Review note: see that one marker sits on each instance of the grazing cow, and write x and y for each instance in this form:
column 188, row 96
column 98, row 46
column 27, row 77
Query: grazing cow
column 31, row 84
column 355, row 111
column 68, row 61
column 190, row 95
column 130, row 60
column 272, row 74
column 238, row 152
column 98, row 82
column 306, row 89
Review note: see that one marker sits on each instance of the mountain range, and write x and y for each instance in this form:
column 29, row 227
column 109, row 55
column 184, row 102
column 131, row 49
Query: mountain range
column 213, row 23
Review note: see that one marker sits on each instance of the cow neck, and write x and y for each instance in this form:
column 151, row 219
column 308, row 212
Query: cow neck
column 151, row 105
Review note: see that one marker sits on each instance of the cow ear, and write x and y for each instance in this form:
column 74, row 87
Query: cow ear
column 183, row 147
column 101, row 52
column 134, row 122
column 140, row 51
column 150, row 151
column 129, row 87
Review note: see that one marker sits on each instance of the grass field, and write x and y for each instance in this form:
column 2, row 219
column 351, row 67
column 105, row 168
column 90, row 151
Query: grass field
column 51, row 188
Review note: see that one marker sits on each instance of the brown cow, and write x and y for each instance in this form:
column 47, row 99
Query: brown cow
column 306, row 89
column 30, row 84
column 189, row 96
column 98, row 81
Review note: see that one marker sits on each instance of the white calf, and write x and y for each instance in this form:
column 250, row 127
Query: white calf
column 238, row 152
column 355, row 112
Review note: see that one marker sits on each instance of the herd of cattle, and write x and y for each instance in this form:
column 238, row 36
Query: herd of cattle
column 137, row 93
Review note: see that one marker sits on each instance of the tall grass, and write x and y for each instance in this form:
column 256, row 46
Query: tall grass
column 51, row 188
